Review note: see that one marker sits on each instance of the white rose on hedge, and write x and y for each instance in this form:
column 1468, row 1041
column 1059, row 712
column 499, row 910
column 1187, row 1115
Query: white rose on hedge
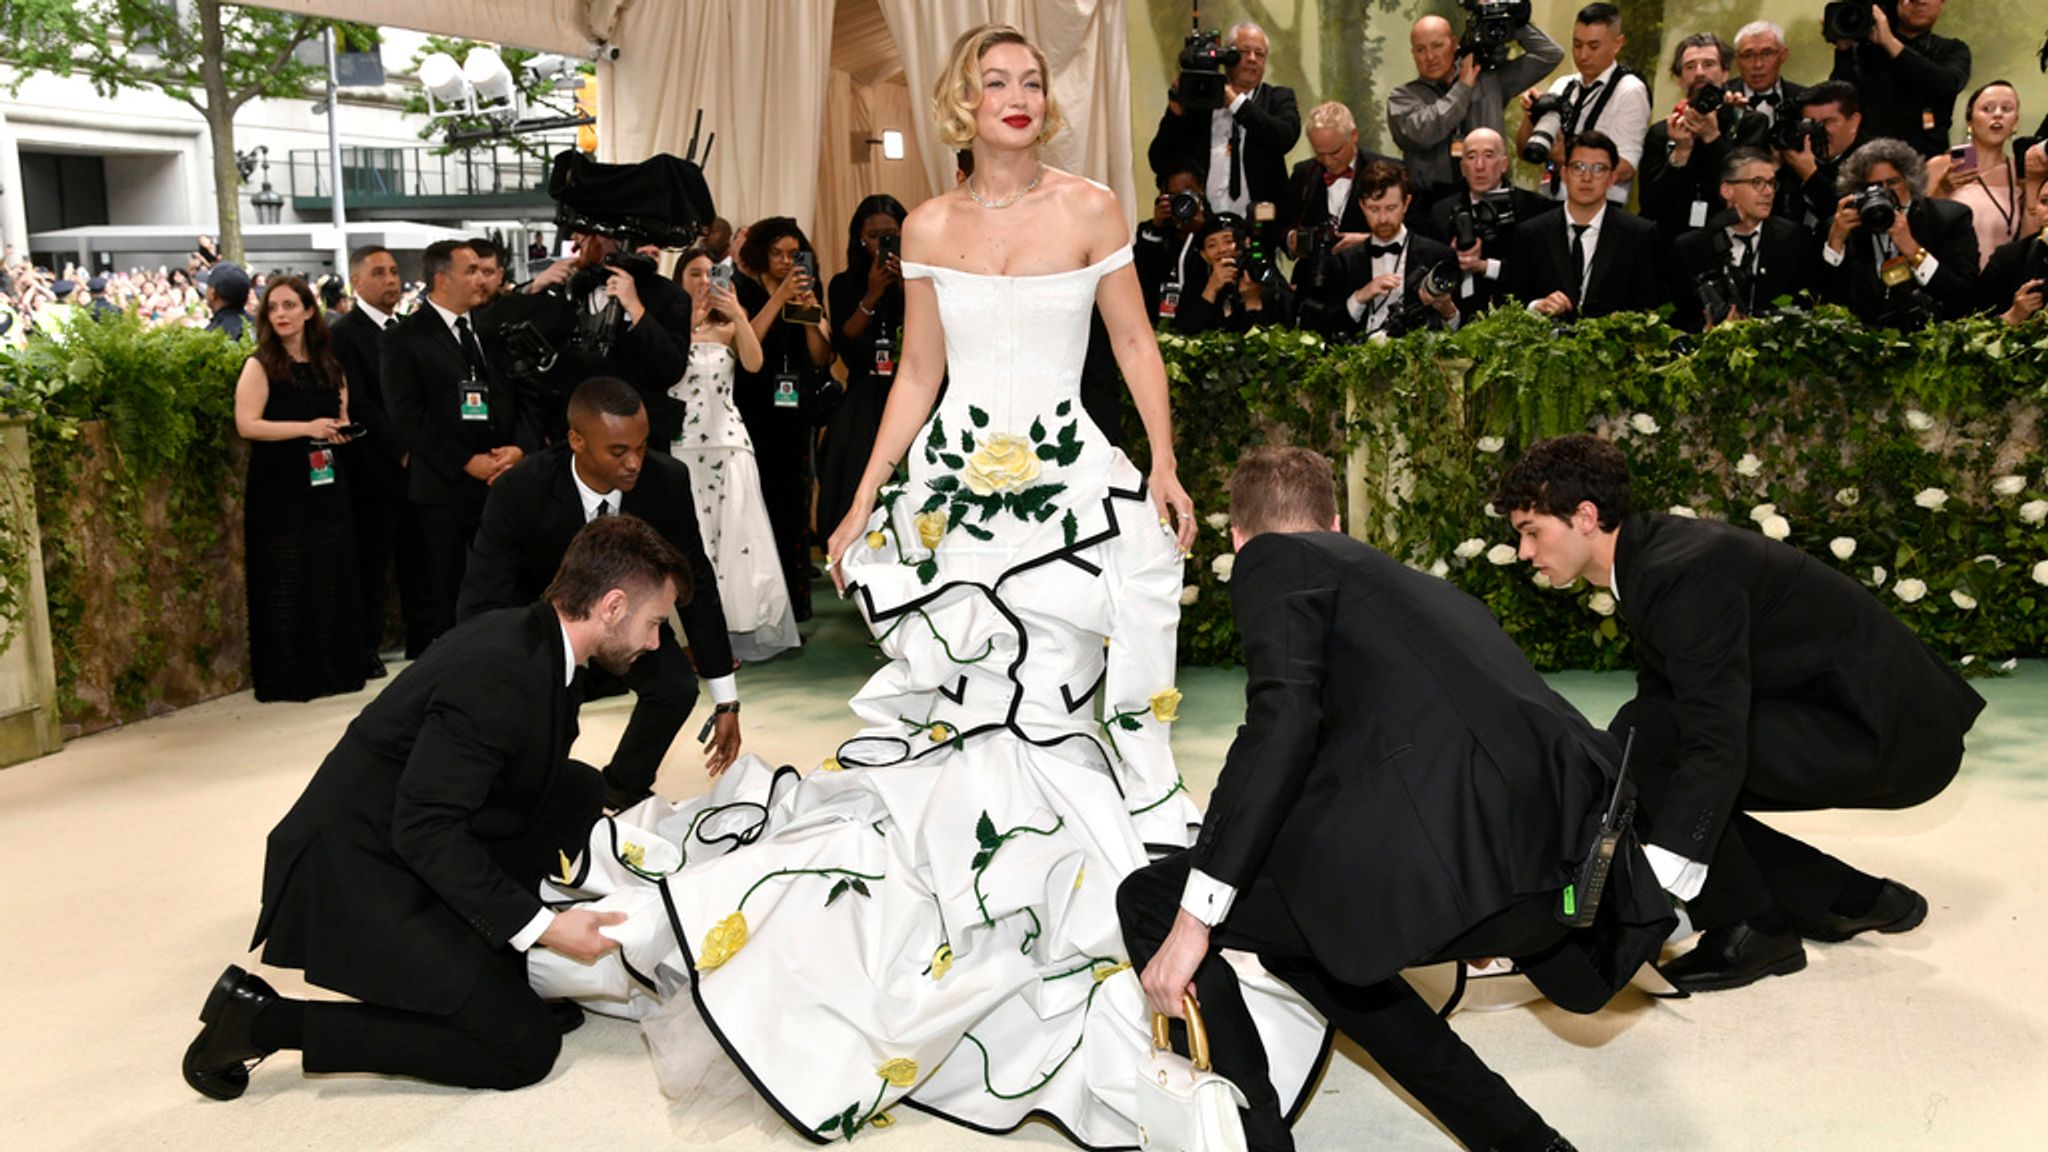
column 1541, row 581
column 1220, row 521
column 1490, row 513
column 1962, row 599
column 1763, row 512
column 2034, row 511
column 1601, row 602
column 1877, row 576
column 1501, row 555
column 1843, row 547
column 1189, row 594
column 1847, row 497
column 1931, row 499
column 1470, row 548
column 1439, row 569
column 1909, row 590
column 2009, row 665
column 2009, row 485
column 1918, row 421
column 1682, row 510
column 2041, row 572
column 1222, row 565
column 1490, row 444
column 1777, row 527
column 1644, row 423
column 1749, row 465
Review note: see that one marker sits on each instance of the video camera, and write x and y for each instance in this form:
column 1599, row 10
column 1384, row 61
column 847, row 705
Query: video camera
column 1486, row 220
column 1203, row 62
column 1842, row 20
column 1490, row 29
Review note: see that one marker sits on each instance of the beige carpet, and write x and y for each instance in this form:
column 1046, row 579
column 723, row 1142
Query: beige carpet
column 136, row 857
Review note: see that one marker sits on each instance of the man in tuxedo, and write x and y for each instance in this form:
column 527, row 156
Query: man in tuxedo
column 457, row 418
column 1593, row 258
column 1760, row 55
column 1239, row 150
column 387, row 527
column 650, row 345
column 1684, row 153
column 1767, row 681
column 1382, row 284
column 1472, row 224
column 1806, row 186
column 1909, row 77
column 1920, row 267
column 1405, row 790
column 1319, row 190
column 407, row 874
column 1766, row 257
column 1451, row 96
column 530, row 518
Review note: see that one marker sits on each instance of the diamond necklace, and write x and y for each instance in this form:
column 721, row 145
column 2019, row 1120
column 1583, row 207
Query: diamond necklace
column 1019, row 195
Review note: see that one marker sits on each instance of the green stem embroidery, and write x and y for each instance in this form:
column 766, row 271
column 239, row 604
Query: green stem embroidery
column 848, row 873
column 1180, row 784
column 955, row 736
column 920, row 614
column 989, row 1085
column 990, row 840
column 1128, row 721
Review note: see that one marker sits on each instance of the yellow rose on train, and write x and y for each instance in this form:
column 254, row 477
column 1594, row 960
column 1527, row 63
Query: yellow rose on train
column 900, row 1073
column 931, row 528
column 1003, row 463
column 723, row 942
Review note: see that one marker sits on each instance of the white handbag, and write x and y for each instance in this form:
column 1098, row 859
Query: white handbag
column 1182, row 1105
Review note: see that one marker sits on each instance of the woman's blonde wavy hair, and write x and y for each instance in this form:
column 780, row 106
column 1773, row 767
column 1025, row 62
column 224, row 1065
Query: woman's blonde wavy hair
column 958, row 91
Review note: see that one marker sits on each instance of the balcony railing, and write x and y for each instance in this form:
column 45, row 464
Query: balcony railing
column 422, row 177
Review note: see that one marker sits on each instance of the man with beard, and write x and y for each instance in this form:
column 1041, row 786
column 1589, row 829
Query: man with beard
column 534, row 512
column 407, row 874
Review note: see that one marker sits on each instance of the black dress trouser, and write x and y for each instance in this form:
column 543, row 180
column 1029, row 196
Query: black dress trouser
column 448, row 530
column 1410, row 1041
column 502, row 1036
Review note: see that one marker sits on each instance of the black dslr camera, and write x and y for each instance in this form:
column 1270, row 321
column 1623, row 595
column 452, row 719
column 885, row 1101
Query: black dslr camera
column 1877, row 208
column 1787, row 134
column 1185, row 208
column 1546, row 112
column 1203, row 62
column 1851, row 20
column 1312, row 250
column 1707, row 99
column 1490, row 29
column 1486, row 220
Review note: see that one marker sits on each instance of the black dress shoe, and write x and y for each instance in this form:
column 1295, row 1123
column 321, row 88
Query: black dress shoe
column 1898, row 909
column 568, row 1015
column 1733, row 958
column 218, row 1062
column 374, row 669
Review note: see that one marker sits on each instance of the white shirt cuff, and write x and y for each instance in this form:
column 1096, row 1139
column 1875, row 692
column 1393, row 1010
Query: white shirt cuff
column 724, row 689
column 1675, row 874
column 1493, row 269
column 1239, row 102
column 1833, row 256
column 1206, row 898
column 1354, row 307
column 531, row 934
column 1928, row 267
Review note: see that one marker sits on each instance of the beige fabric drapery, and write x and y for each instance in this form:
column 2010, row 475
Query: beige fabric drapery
column 572, row 27
column 849, row 169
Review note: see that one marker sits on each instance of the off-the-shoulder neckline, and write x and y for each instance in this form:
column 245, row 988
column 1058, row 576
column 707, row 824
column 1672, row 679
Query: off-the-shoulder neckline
column 1123, row 251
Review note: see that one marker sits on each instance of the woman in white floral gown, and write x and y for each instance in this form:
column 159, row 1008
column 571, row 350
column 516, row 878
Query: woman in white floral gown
column 932, row 915
column 724, row 477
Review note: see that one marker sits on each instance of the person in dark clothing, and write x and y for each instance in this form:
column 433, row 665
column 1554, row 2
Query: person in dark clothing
column 865, row 304
column 1909, row 77
column 1683, row 154
column 1922, row 266
column 227, row 297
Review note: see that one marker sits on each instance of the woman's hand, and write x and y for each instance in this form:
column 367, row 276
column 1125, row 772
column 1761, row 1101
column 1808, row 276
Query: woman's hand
column 883, row 272
column 852, row 532
column 326, row 428
column 722, row 303
column 1176, row 511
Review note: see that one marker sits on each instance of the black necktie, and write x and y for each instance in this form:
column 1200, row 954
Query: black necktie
column 1741, row 250
column 604, row 508
column 1579, row 258
column 1379, row 250
column 470, row 348
column 1236, row 159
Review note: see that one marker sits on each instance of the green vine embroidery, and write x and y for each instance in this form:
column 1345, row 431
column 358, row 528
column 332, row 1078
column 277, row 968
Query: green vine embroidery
column 1103, row 967
column 920, row 614
column 991, row 840
column 1180, row 784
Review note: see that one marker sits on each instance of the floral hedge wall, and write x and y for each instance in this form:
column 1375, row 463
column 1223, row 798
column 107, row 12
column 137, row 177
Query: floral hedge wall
column 1914, row 463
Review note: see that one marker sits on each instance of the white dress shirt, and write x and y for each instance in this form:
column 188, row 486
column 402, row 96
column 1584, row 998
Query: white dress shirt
column 1380, row 307
column 381, row 319
column 1881, row 250
column 1626, row 119
column 1221, row 122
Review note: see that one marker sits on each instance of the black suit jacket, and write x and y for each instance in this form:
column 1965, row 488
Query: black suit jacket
column 1665, row 194
column 534, row 512
column 424, row 377
column 1402, row 772
column 1485, row 293
column 1946, row 230
column 377, row 461
column 1351, row 268
column 416, row 851
column 1788, row 265
column 1624, row 276
column 1270, row 123
column 1898, row 92
column 1723, row 617
column 2013, row 264
column 1308, row 203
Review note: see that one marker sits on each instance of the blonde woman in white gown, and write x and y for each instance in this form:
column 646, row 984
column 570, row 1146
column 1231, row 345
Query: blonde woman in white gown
column 931, row 916
column 723, row 474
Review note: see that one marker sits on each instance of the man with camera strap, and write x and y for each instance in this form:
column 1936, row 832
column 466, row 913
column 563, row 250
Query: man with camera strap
column 1462, row 84
column 1604, row 95
column 1682, row 157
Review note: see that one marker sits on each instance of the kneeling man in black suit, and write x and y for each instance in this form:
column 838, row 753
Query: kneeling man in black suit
column 407, row 875
column 536, row 509
column 1405, row 790
column 1767, row 682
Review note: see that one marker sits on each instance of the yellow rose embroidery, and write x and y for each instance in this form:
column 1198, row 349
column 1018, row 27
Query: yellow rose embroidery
column 881, row 1120
column 633, row 854
column 942, row 961
column 1166, row 706
column 931, row 528
column 876, row 540
column 1105, row 971
column 831, row 764
column 1003, row 463
column 723, row 942
column 940, row 733
column 900, row 1073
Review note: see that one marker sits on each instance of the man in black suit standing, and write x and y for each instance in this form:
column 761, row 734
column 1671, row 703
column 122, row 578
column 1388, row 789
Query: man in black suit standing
column 1766, row 257
column 1470, row 221
column 387, row 527
column 1905, row 271
column 1381, row 285
column 1683, row 153
column 1393, row 739
column 1239, row 150
column 407, row 874
column 1767, row 681
column 533, row 513
column 1593, row 258
column 458, row 420
column 1909, row 77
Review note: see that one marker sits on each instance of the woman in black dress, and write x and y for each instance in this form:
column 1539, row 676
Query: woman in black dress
column 865, row 304
column 785, row 402
column 291, row 403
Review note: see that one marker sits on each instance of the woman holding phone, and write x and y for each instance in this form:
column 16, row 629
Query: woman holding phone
column 291, row 404
column 725, row 478
column 1980, row 175
column 867, row 323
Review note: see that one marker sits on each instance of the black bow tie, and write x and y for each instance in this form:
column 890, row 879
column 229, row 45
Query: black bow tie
column 1379, row 250
column 1765, row 99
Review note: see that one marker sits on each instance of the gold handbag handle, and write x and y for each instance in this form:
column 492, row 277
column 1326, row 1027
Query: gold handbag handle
column 1198, row 1034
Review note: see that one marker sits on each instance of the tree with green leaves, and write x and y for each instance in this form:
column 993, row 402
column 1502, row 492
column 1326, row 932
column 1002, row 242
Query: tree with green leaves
column 214, row 56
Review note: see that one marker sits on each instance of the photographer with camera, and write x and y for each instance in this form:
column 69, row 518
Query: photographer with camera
column 2015, row 281
column 1594, row 258
column 1896, row 258
column 1760, row 55
column 1319, row 195
column 1479, row 221
column 1167, row 255
column 1684, row 153
column 1745, row 259
column 1395, row 282
column 865, row 306
column 632, row 321
column 1811, row 143
column 1602, row 96
column 1235, row 135
column 1462, row 84
column 1909, row 77
column 1235, row 295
